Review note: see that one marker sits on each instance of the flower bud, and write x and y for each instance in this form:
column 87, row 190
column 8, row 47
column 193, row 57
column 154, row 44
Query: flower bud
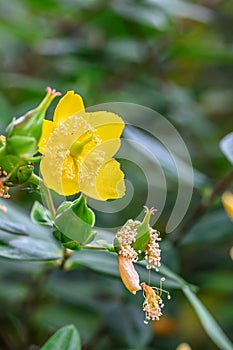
column 28, row 128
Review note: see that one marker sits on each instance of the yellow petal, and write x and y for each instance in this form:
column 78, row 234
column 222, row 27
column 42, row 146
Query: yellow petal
column 47, row 128
column 70, row 177
column 110, row 181
column 62, row 178
column 68, row 106
column 49, row 175
column 107, row 124
column 129, row 275
column 227, row 199
column 91, row 165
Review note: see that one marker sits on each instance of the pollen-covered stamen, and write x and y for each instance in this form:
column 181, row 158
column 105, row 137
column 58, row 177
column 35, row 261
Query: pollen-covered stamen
column 89, row 168
column 153, row 302
column 57, row 147
column 3, row 188
column 152, row 252
column 126, row 236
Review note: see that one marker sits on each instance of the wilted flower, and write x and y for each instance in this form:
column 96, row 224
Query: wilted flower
column 78, row 148
column 136, row 241
column 152, row 304
column 129, row 275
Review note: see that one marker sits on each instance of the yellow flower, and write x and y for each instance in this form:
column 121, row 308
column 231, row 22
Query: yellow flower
column 227, row 199
column 78, row 148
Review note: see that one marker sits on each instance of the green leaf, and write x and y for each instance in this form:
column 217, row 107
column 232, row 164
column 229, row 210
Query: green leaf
column 209, row 324
column 106, row 263
column 213, row 227
column 133, row 332
column 29, row 248
column 40, row 215
column 66, row 338
column 226, row 145
column 13, row 227
column 38, row 246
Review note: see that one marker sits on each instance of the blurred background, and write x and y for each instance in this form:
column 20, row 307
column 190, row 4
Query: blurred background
column 175, row 57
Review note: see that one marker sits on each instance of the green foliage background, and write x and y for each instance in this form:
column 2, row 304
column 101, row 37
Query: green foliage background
column 174, row 57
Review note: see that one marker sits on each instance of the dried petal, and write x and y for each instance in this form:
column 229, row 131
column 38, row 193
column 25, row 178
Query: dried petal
column 128, row 274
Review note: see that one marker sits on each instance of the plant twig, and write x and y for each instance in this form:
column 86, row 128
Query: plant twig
column 202, row 208
column 66, row 254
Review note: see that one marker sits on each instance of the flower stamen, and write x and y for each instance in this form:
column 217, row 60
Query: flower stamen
column 153, row 302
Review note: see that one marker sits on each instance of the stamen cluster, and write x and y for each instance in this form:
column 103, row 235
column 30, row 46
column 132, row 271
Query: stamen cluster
column 153, row 303
column 126, row 236
column 152, row 308
column 152, row 252
column 3, row 189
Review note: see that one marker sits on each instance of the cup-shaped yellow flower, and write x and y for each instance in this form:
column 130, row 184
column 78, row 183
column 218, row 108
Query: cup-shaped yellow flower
column 78, row 147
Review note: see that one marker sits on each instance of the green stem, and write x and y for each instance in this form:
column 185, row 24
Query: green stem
column 220, row 187
column 36, row 180
column 34, row 159
column 49, row 200
column 66, row 255
column 94, row 247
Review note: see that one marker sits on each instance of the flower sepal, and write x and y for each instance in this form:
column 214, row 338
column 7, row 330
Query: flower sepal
column 66, row 241
column 143, row 235
column 74, row 222
column 21, row 145
column 16, row 170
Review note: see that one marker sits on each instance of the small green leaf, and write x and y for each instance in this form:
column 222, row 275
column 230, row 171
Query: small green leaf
column 66, row 338
column 66, row 241
column 209, row 324
column 226, row 145
column 40, row 215
column 76, row 221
